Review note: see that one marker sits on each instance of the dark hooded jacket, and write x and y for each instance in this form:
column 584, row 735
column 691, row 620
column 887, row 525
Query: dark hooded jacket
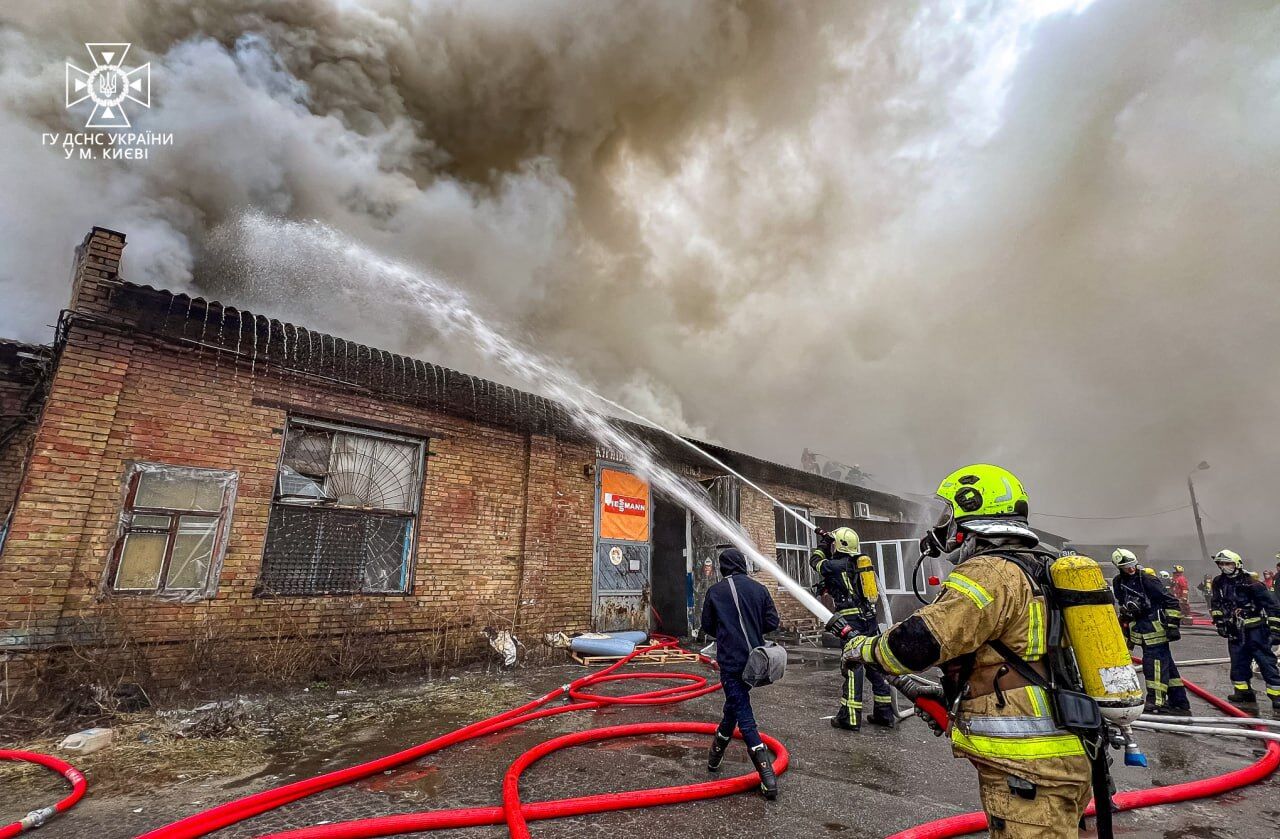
column 720, row 616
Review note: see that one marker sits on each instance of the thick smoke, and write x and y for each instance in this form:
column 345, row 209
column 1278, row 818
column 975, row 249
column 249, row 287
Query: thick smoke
column 908, row 235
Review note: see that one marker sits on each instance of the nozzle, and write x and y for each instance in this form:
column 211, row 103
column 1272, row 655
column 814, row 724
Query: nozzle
column 1133, row 756
column 839, row 627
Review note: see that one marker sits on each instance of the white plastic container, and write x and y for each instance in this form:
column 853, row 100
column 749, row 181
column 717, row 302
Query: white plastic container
column 87, row 742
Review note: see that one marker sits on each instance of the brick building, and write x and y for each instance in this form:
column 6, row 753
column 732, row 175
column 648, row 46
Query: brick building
column 194, row 488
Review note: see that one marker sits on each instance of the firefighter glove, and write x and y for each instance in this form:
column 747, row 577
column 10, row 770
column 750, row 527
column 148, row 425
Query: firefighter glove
column 857, row 650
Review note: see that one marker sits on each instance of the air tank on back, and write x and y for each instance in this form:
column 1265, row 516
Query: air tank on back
column 1097, row 641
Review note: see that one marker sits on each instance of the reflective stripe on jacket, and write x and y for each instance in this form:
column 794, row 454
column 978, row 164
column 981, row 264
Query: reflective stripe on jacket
column 990, row 598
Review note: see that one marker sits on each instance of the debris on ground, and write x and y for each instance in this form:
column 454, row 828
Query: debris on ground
column 244, row 736
column 504, row 643
column 86, row 742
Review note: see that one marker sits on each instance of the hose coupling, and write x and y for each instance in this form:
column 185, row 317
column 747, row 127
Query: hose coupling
column 36, row 818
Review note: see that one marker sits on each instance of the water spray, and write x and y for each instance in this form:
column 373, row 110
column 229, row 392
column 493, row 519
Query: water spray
column 455, row 313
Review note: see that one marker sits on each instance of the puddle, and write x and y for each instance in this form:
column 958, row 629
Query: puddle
column 812, row 660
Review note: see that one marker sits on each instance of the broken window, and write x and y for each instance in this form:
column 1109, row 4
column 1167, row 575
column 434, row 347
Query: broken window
column 793, row 542
column 173, row 530
column 344, row 514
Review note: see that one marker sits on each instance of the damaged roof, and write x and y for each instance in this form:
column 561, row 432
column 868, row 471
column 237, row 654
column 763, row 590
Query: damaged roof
column 259, row 341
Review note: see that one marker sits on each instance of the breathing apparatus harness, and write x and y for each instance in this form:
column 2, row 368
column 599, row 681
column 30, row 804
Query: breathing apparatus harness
column 1073, row 709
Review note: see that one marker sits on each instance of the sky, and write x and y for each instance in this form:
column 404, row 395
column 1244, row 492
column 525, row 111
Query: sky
column 907, row 235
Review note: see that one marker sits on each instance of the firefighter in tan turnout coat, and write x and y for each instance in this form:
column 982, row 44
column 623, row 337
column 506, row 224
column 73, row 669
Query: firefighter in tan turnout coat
column 1033, row 777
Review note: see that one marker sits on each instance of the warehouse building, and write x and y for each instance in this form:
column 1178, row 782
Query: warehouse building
column 205, row 492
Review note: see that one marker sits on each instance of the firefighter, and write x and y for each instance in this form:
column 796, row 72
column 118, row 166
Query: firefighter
column 1150, row 617
column 1247, row 616
column 849, row 577
column 1033, row 777
column 1182, row 591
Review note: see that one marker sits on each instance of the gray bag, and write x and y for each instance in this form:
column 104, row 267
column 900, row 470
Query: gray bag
column 766, row 663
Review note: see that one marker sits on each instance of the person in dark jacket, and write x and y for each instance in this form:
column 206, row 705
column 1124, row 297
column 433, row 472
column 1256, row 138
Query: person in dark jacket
column 738, row 612
column 1244, row 613
column 1150, row 617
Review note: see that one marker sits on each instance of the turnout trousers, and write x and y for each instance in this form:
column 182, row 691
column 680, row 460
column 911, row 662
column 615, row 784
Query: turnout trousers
column 1164, row 682
column 1255, row 645
column 851, row 691
column 1054, row 812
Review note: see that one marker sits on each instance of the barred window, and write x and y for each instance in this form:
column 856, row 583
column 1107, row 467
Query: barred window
column 793, row 542
column 173, row 530
column 345, row 512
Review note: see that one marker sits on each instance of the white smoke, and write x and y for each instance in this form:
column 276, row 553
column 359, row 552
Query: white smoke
column 909, row 235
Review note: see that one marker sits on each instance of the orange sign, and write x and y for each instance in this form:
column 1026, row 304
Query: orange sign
column 624, row 506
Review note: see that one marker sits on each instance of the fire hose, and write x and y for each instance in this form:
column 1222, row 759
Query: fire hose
column 38, row 817
column 513, row 812
column 516, row 814
column 1203, row 788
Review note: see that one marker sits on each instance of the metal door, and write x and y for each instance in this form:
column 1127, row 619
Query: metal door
column 705, row 544
column 620, row 582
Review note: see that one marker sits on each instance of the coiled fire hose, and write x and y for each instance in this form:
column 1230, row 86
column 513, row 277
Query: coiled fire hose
column 1203, row 788
column 36, row 818
column 513, row 812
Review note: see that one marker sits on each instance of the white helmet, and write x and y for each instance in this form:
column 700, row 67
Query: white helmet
column 1123, row 558
column 1165, row 575
column 1225, row 559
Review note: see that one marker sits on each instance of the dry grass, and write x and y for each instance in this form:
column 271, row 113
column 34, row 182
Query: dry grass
column 145, row 751
column 165, row 750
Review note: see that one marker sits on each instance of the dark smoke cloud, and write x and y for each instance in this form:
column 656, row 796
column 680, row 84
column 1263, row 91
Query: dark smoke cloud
column 908, row 235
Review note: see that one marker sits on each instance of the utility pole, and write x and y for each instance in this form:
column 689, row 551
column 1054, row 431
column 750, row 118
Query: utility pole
column 1195, row 508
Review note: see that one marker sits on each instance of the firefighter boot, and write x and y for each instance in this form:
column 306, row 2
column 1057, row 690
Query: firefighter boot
column 1243, row 697
column 719, row 745
column 883, row 715
column 764, row 765
column 843, row 721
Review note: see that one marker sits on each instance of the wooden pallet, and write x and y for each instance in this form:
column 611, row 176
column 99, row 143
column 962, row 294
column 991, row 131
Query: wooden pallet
column 594, row 660
column 666, row 656
column 647, row 656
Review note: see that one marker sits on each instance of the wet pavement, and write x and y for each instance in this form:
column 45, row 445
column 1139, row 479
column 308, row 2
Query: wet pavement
column 840, row 784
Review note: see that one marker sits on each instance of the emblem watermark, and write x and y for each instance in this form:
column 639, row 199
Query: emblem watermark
column 113, row 89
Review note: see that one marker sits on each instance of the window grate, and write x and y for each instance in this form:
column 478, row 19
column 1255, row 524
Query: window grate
column 344, row 515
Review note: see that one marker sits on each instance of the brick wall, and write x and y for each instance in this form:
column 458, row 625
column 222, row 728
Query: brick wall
column 504, row 516
column 504, row 533
column 13, row 457
column 504, row 537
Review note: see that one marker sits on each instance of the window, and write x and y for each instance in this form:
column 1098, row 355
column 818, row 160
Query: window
column 345, row 512
column 794, row 543
column 894, row 561
column 862, row 510
column 173, row 530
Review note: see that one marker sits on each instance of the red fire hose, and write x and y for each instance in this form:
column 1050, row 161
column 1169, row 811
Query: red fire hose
column 1204, row 788
column 39, row 817
column 514, row 812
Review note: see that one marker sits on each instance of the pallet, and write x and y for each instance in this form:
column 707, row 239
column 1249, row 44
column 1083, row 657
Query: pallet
column 666, row 656
column 646, row 656
column 595, row 660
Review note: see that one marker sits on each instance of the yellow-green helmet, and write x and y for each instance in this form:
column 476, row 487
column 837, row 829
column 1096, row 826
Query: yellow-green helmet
column 983, row 491
column 845, row 540
column 982, row 499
